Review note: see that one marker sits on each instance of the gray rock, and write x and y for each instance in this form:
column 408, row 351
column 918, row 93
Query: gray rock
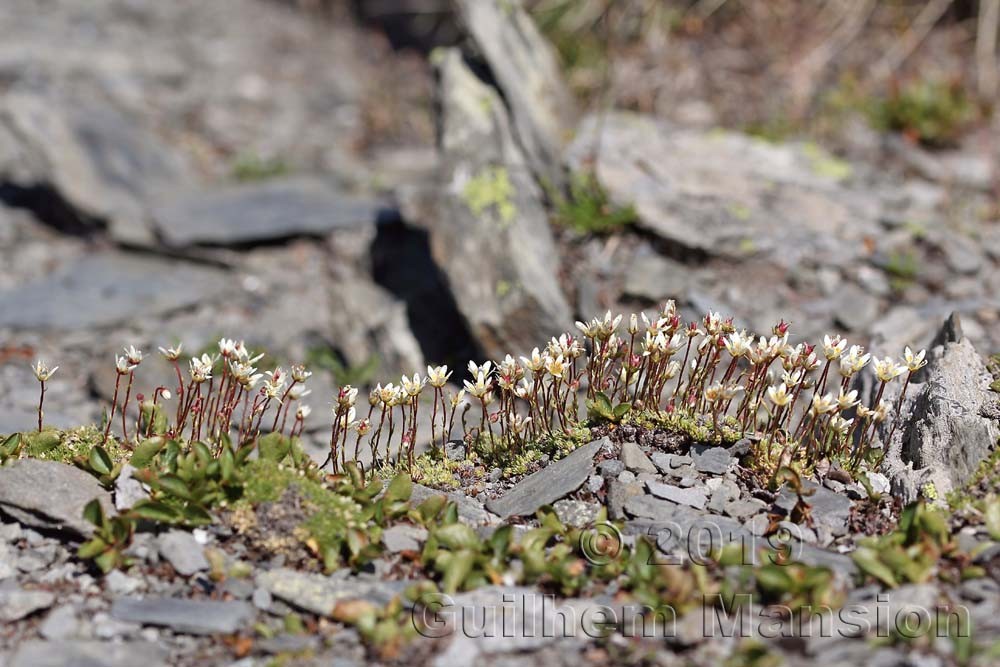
column 728, row 194
column 526, row 69
column 548, row 484
column 743, row 508
column 696, row 498
column 60, row 623
column 128, row 490
column 402, row 537
column 634, row 459
column 618, row 497
column 16, row 603
column 653, row 278
column 942, row 432
column 36, row 653
column 255, row 212
column 829, row 508
column 50, row 495
column 101, row 163
column 575, row 513
column 595, row 483
column 469, row 510
column 854, row 308
column 107, row 288
column 714, row 460
column 962, row 253
column 182, row 551
column 196, row 617
column 488, row 226
column 610, row 467
column 118, row 583
column 318, row 593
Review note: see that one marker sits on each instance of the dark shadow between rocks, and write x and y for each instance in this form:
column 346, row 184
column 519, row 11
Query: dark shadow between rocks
column 50, row 208
column 402, row 264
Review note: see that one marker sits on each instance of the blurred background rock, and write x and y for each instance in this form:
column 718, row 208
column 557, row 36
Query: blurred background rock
column 367, row 186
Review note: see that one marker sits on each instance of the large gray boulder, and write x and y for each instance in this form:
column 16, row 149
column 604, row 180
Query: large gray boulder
column 107, row 288
column 488, row 227
column 947, row 423
column 527, row 72
column 50, row 495
column 256, row 212
column 102, row 164
column 729, row 194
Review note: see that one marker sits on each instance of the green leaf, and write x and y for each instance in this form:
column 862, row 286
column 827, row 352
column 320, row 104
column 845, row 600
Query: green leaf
column 155, row 511
column 146, row 451
column 992, row 518
column 867, row 560
column 100, row 461
column 202, row 452
column 459, row 565
column 195, row 514
column 273, row 447
column 94, row 513
column 621, row 410
column 107, row 560
column 399, row 488
column 173, row 485
column 431, row 507
column 92, row 548
column 10, row 445
column 457, row 536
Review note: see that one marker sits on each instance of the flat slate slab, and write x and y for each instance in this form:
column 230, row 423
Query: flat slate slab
column 548, row 484
column 50, row 495
column 318, row 593
column 258, row 212
column 696, row 498
column 70, row 653
column 195, row 617
column 108, row 288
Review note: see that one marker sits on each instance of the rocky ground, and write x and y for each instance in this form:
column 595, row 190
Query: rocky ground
column 186, row 171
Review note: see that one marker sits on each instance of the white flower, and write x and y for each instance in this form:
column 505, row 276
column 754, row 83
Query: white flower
column 834, row 346
column 227, row 347
column 302, row 412
column 244, row 374
column 847, row 400
column 298, row 391
column 123, row 366
column 536, row 363
column 887, row 369
column 791, row 379
column 438, row 376
column 738, row 343
column 481, row 387
column 779, row 395
column 133, row 355
column 386, row 395
column 200, row 368
column 348, row 395
column 821, row 405
column 413, row 386
column 525, row 389
column 347, row 420
column 633, row 324
column 172, row 353
column 484, row 369
column 43, row 372
column 299, row 373
column 914, row 362
column 840, row 425
column 855, row 360
column 557, row 367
